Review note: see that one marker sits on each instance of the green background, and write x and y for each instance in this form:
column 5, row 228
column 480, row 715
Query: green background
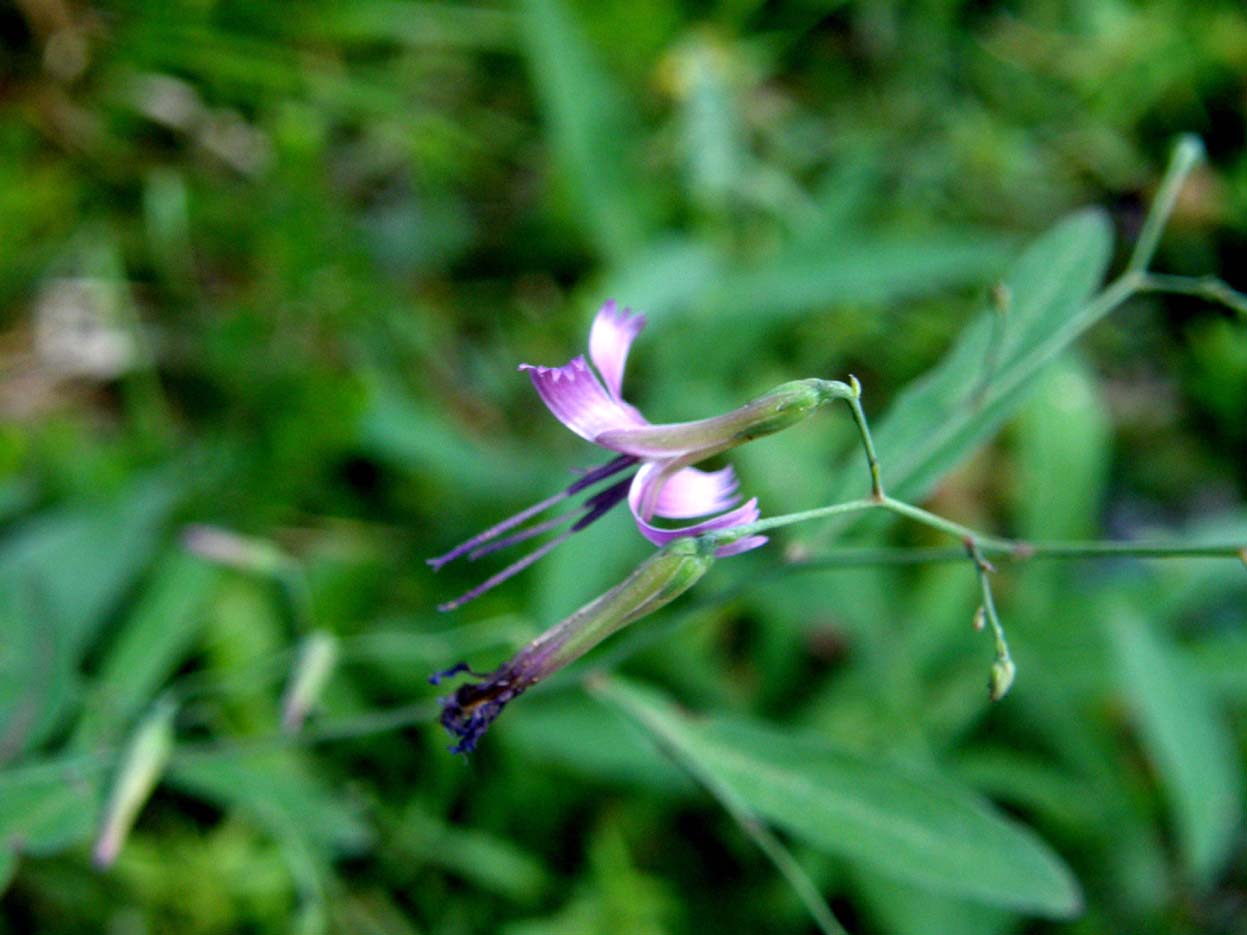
column 271, row 267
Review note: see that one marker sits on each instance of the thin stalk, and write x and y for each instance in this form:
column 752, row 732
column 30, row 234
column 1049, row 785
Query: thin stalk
column 919, row 515
column 1185, row 155
column 1209, row 288
column 1024, row 551
column 868, row 444
column 1019, row 552
column 788, row 519
column 1003, row 668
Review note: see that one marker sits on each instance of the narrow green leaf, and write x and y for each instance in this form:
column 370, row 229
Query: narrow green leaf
column 588, row 126
column 1186, row 739
column 154, row 640
column 942, row 417
column 714, row 147
column 398, row 430
column 418, row 25
column 590, row 739
column 1221, row 662
column 870, row 269
column 916, row 826
column 38, row 678
column 276, row 791
column 490, row 862
column 1063, row 441
column 47, row 808
column 8, row 868
column 106, row 545
column 904, row 909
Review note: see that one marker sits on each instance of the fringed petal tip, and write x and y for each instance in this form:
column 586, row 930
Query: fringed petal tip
column 576, row 397
column 746, row 544
column 691, row 492
column 614, row 329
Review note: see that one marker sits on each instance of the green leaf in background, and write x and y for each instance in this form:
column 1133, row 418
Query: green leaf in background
column 153, row 642
column 38, row 677
column 615, row 898
column 1221, row 663
column 589, row 129
column 871, row 269
column 1186, row 739
column 915, row 826
column 395, row 429
column 938, row 420
column 311, row 822
column 588, row 738
column 1063, row 442
column 489, row 861
column 48, row 617
column 46, row 807
column 8, row 867
column 904, row 909
column 714, row 146
column 106, row 546
column 418, row 25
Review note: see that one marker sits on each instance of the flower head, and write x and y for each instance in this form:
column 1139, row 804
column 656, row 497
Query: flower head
column 659, row 482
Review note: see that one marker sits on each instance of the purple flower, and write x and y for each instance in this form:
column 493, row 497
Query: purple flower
column 660, row 481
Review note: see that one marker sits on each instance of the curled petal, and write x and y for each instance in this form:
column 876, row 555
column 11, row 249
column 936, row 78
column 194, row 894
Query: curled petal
column 642, row 491
column 740, row 545
column 691, row 492
column 577, row 398
column 613, row 332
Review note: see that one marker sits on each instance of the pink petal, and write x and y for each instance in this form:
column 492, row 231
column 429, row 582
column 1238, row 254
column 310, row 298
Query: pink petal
column 740, row 545
column 611, row 336
column 692, row 492
column 577, row 398
column 642, row 490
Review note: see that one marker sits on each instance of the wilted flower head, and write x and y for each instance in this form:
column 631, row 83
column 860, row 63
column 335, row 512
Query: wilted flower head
column 660, row 579
column 656, row 460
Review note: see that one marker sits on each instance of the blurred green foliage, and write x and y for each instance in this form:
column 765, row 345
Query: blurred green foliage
column 271, row 267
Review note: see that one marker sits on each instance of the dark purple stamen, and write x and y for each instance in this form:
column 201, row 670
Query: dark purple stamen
column 601, row 472
column 495, row 531
column 517, row 537
column 602, row 503
column 486, row 542
column 494, row 580
column 588, row 479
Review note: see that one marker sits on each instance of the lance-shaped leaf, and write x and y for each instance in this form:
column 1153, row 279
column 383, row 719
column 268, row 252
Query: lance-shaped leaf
column 1046, row 303
column 1186, row 739
column 589, row 126
column 913, row 825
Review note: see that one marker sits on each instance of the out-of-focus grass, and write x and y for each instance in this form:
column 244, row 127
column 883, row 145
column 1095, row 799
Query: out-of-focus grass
column 271, row 267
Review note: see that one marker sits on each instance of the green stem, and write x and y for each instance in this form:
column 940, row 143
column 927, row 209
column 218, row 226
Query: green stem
column 788, row 519
column 1209, row 288
column 1003, row 668
column 868, row 443
column 1185, row 155
column 919, row 515
column 1025, row 551
column 1018, row 552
